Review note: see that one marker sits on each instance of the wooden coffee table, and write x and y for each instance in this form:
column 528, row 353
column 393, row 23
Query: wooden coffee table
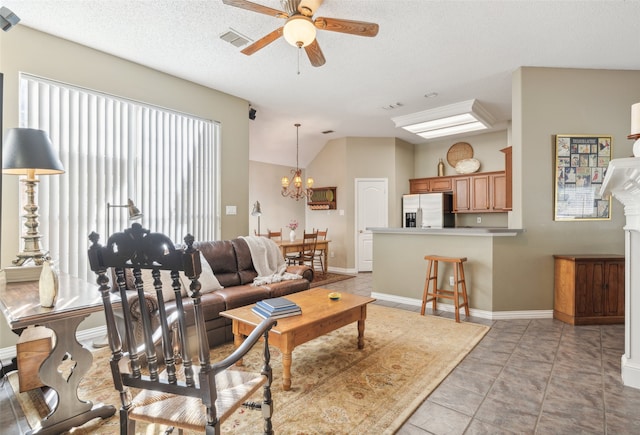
column 320, row 315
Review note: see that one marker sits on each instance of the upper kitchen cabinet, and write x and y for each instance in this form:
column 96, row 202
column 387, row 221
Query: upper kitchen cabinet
column 508, row 180
column 427, row 185
column 480, row 193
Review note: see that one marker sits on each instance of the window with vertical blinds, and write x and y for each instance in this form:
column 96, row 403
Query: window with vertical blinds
column 113, row 149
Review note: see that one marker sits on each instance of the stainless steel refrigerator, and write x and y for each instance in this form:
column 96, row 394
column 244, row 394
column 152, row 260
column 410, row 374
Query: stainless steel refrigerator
column 428, row 210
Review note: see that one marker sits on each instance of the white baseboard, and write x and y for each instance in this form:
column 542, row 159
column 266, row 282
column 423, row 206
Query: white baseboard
column 630, row 372
column 83, row 336
column 491, row 315
column 342, row 270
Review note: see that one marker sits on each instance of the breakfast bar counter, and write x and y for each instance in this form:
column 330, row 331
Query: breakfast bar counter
column 399, row 268
column 459, row 231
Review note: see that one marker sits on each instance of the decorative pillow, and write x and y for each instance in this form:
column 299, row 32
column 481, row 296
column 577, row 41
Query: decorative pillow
column 165, row 277
column 208, row 281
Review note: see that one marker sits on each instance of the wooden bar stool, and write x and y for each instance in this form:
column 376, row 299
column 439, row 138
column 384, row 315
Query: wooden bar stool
column 458, row 282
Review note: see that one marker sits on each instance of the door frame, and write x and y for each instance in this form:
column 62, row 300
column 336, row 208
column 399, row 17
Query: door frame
column 356, row 211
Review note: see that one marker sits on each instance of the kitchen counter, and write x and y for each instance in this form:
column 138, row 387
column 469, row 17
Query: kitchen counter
column 460, row 231
column 399, row 267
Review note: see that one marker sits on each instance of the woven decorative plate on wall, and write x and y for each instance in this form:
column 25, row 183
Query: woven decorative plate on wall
column 459, row 151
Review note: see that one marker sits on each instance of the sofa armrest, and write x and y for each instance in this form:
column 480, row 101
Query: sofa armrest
column 305, row 271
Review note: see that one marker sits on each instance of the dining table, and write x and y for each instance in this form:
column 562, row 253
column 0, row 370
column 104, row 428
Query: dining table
column 289, row 247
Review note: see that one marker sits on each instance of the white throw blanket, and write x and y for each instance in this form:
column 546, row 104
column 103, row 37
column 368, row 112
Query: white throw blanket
column 268, row 261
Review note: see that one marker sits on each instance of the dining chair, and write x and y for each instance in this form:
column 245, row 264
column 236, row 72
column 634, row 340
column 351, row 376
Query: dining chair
column 194, row 394
column 319, row 254
column 275, row 235
column 307, row 251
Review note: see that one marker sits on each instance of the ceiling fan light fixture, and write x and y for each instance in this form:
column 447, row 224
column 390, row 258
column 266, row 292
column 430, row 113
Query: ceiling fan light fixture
column 299, row 31
column 448, row 120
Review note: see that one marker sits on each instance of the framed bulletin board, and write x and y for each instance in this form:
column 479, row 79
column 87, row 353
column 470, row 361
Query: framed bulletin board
column 580, row 165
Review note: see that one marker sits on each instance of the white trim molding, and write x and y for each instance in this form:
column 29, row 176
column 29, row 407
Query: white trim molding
column 623, row 182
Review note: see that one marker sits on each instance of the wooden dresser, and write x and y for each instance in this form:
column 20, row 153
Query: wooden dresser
column 589, row 289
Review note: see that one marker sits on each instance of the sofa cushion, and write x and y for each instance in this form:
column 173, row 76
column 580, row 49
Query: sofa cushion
column 221, row 256
column 246, row 271
column 242, row 295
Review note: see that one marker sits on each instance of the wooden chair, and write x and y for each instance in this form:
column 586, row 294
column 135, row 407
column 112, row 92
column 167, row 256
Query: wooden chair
column 319, row 256
column 275, row 235
column 196, row 394
column 307, row 252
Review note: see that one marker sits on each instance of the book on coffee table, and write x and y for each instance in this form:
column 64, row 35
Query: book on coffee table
column 276, row 315
column 274, row 305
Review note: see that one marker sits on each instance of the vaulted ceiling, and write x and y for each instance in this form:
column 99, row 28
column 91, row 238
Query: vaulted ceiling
column 459, row 50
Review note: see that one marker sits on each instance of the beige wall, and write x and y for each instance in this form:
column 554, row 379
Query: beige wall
column 277, row 211
column 549, row 101
column 24, row 49
column 486, row 148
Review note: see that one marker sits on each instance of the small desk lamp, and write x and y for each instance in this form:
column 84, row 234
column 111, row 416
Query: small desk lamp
column 257, row 211
column 134, row 213
column 29, row 152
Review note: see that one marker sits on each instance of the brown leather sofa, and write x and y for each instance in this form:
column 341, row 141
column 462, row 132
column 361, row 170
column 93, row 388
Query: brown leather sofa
column 231, row 263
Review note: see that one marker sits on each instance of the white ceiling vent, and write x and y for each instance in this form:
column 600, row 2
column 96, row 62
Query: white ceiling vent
column 234, row 38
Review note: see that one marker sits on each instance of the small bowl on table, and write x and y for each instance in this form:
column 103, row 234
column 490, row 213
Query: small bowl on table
column 335, row 296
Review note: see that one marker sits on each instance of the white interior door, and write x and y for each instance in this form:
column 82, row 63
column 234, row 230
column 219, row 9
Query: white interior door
column 372, row 210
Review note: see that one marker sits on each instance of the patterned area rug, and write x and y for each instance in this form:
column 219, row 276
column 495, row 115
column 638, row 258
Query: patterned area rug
column 328, row 278
column 336, row 388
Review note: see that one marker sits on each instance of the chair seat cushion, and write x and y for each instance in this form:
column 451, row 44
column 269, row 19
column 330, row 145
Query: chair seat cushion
column 234, row 388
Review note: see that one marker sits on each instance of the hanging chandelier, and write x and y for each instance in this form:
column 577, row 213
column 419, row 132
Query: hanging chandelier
column 293, row 188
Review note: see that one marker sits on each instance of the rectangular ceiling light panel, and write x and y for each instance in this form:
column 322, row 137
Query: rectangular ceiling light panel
column 447, row 120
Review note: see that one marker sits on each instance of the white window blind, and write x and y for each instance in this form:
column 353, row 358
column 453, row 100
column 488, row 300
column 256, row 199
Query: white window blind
column 113, row 149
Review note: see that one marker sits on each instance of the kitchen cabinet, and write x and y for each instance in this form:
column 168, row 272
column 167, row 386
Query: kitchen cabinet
column 427, row 185
column 461, row 195
column 508, row 173
column 589, row 289
column 419, row 185
column 480, row 193
column 499, row 192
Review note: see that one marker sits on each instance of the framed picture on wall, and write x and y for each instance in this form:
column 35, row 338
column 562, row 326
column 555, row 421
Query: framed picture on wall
column 580, row 165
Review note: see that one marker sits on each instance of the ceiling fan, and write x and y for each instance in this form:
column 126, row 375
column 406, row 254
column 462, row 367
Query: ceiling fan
column 299, row 28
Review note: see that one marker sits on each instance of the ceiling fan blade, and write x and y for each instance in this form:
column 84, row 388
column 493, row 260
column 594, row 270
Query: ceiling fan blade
column 309, row 7
column 263, row 42
column 360, row 28
column 315, row 53
column 244, row 4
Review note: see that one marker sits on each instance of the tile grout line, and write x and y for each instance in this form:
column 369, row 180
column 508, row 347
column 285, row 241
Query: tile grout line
column 546, row 389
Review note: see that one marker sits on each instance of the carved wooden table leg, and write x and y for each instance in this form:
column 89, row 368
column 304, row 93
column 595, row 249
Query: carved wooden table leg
column 68, row 410
column 286, row 371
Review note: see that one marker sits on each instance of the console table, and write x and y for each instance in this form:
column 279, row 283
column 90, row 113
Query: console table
column 20, row 304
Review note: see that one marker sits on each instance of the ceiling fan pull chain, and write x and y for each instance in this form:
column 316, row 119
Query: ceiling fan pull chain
column 299, row 50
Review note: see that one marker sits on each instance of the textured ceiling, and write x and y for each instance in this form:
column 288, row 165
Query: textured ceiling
column 458, row 49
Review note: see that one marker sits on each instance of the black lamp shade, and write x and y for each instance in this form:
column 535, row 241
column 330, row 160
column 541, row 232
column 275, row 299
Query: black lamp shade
column 28, row 148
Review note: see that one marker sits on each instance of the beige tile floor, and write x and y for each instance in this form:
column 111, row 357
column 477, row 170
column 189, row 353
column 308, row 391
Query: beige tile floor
column 528, row 377
column 525, row 376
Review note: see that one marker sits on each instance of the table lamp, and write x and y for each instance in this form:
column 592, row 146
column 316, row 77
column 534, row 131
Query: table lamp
column 27, row 151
